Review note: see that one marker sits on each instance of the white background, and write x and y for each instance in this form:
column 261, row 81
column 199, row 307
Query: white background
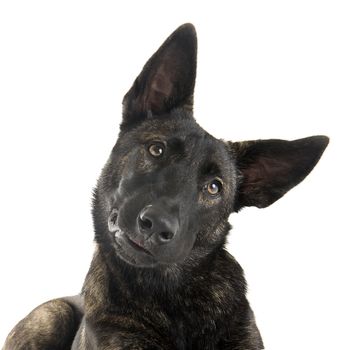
column 266, row 69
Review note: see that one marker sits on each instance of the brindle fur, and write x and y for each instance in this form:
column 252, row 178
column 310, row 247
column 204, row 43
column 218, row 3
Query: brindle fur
column 189, row 293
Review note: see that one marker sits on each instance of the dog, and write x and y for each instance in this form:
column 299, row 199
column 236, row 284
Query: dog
column 161, row 277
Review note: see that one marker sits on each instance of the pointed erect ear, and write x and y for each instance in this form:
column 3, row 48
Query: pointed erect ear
column 166, row 81
column 270, row 168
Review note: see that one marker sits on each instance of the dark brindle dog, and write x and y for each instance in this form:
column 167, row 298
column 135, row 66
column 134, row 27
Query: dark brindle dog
column 161, row 277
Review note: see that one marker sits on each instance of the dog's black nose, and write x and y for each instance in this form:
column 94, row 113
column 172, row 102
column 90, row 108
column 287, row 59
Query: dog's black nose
column 157, row 222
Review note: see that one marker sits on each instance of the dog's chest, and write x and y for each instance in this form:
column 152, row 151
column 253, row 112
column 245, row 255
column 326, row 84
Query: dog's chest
column 192, row 327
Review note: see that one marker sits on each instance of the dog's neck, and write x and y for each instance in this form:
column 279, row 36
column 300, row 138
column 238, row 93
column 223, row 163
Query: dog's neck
column 106, row 284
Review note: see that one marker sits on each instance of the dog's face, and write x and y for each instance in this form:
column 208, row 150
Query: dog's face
column 167, row 191
column 175, row 182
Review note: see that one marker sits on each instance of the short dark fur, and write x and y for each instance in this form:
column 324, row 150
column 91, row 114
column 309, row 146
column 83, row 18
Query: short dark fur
column 161, row 277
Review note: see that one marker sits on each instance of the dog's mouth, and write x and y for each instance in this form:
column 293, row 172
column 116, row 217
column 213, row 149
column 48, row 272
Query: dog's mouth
column 113, row 221
column 127, row 247
column 136, row 245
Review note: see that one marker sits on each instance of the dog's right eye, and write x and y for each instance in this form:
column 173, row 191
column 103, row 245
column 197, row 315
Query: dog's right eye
column 156, row 149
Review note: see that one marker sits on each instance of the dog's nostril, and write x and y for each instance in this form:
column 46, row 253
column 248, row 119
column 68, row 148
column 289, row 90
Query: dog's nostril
column 145, row 223
column 166, row 236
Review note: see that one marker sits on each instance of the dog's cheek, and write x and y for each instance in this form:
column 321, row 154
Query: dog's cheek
column 121, row 183
column 214, row 226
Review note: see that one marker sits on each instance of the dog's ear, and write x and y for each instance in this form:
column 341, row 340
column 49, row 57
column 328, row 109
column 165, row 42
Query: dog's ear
column 167, row 79
column 270, row 168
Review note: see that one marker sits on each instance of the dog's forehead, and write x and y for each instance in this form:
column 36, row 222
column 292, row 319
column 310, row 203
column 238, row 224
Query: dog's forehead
column 168, row 125
column 185, row 130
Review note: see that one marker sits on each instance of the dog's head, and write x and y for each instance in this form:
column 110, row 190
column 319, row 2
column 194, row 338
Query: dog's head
column 168, row 188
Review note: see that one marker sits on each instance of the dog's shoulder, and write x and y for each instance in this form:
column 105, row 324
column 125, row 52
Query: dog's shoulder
column 51, row 325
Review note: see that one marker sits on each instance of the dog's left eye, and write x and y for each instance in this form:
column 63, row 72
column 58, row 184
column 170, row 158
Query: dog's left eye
column 156, row 149
column 214, row 187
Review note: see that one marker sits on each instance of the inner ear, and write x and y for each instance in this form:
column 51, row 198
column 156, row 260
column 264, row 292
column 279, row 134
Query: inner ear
column 161, row 88
column 167, row 79
column 270, row 168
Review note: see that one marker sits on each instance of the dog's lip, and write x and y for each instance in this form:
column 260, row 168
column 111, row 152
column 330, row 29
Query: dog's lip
column 136, row 245
column 112, row 221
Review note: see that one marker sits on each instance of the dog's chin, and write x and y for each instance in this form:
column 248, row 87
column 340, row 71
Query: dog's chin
column 132, row 254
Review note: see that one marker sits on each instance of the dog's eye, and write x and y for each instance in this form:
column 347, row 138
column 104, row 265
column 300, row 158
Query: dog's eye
column 156, row 149
column 214, row 187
